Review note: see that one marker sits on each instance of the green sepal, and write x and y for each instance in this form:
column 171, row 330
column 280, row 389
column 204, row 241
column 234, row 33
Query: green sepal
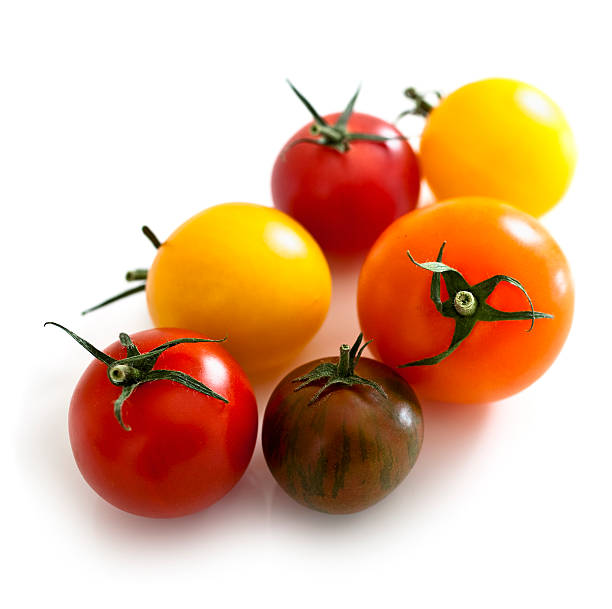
column 128, row 343
column 463, row 328
column 134, row 290
column 126, row 392
column 334, row 136
column 465, row 322
column 139, row 367
column 184, row 379
column 421, row 107
column 343, row 119
column 342, row 373
column 146, row 361
column 134, row 275
column 372, row 137
column 315, row 115
column 485, row 288
column 99, row 355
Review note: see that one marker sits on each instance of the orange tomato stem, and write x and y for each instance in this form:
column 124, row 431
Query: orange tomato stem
column 467, row 303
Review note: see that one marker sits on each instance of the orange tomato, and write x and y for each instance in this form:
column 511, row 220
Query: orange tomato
column 484, row 238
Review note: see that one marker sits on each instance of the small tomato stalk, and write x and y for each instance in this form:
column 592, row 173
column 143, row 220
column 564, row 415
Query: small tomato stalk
column 135, row 275
column 467, row 303
column 137, row 368
column 335, row 136
column 342, row 373
column 421, row 104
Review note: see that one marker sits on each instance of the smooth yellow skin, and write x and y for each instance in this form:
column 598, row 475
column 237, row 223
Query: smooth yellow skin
column 247, row 272
column 499, row 138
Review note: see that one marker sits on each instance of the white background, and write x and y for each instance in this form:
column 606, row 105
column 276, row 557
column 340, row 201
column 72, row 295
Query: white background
column 117, row 113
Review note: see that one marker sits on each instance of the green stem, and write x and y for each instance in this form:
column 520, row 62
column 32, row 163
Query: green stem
column 137, row 275
column 136, row 369
column 340, row 374
column 330, row 133
column 421, row 106
column 151, row 237
column 138, row 288
column 124, row 374
column 344, row 363
column 134, row 275
column 467, row 304
column 334, row 136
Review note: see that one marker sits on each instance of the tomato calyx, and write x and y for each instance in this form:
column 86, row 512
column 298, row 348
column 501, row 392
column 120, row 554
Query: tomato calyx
column 334, row 136
column 342, row 373
column 467, row 303
column 137, row 368
column 135, row 275
column 420, row 104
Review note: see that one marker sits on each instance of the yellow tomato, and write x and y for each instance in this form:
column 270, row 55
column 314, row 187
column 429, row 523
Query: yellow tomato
column 247, row 272
column 499, row 138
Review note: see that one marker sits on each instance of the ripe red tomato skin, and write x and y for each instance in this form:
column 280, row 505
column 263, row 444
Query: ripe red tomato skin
column 369, row 443
column 345, row 200
column 185, row 450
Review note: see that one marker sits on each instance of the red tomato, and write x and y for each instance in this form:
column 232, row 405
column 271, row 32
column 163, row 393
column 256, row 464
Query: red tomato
column 484, row 238
column 184, row 450
column 345, row 199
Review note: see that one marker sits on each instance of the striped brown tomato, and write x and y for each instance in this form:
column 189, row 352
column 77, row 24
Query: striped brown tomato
column 340, row 433
column 162, row 423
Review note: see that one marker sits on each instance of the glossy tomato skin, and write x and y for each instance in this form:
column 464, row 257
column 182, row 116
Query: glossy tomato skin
column 484, row 238
column 499, row 138
column 244, row 271
column 346, row 199
column 351, row 447
column 185, row 450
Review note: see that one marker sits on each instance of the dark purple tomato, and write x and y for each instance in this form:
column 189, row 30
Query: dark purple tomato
column 339, row 434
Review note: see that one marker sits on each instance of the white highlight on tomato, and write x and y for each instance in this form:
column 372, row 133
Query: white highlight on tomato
column 536, row 105
column 405, row 417
column 216, row 372
column 284, row 241
column 522, row 230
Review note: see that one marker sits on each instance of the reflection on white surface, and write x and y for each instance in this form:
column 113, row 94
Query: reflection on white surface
column 284, row 241
column 536, row 105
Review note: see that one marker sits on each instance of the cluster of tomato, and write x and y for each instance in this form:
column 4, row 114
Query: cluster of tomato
column 164, row 422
